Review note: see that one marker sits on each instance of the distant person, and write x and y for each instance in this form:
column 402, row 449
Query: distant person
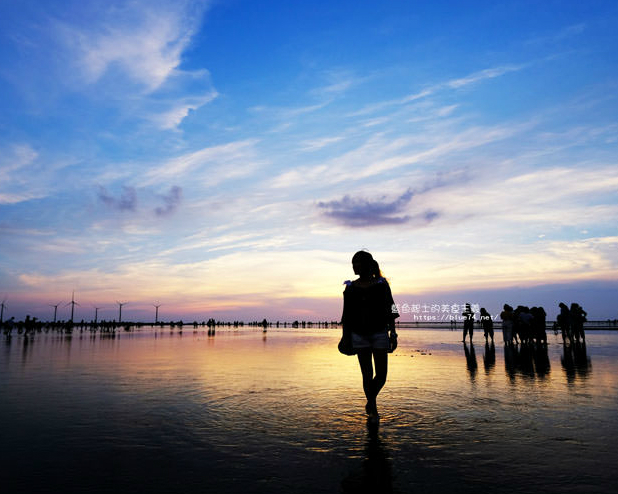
column 538, row 325
column 507, row 316
column 487, row 323
column 370, row 312
column 523, row 322
column 564, row 321
column 578, row 318
column 468, row 322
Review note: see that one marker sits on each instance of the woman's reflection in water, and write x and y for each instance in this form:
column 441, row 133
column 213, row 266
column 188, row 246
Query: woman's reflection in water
column 470, row 360
column 375, row 474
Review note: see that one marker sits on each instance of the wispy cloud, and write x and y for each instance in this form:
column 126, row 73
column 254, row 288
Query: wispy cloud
column 130, row 52
column 171, row 118
column 210, row 165
column 561, row 35
column 316, row 144
column 483, row 75
column 285, row 113
column 22, row 175
column 531, row 203
column 382, row 153
column 456, row 83
column 337, row 83
column 144, row 40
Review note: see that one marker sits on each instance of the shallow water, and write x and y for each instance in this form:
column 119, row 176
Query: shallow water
column 160, row 411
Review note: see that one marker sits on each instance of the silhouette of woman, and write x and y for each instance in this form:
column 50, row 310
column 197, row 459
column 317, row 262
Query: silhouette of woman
column 369, row 312
column 507, row 317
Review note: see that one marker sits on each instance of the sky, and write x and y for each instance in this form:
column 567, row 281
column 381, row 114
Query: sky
column 227, row 158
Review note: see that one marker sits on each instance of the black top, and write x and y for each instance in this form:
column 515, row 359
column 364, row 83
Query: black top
column 368, row 309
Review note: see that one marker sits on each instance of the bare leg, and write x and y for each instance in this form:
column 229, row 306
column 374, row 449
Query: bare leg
column 366, row 365
column 380, row 358
column 372, row 385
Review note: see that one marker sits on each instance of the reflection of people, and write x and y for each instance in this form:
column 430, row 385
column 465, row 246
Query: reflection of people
column 489, row 358
column 470, row 360
column 541, row 360
column 369, row 312
column 575, row 360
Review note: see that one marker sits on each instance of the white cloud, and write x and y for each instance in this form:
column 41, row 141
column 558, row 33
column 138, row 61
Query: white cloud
column 489, row 73
column 130, row 52
column 561, row 35
column 482, row 75
column 18, row 179
column 144, row 40
column 285, row 113
column 381, row 153
column 528, row 204
column 209, row 166
column 315, row 144
column 17, row 158
column 172, row 118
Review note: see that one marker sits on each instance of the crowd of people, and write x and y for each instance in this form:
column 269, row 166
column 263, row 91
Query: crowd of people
column 571, row 322
column 525, row 325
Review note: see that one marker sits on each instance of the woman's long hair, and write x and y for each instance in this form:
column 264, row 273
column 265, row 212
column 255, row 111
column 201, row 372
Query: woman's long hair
column 368, row 263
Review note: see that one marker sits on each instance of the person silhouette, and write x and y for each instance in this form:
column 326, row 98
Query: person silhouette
column 564, row 321
column 539, row 324
column 468, row 322
column 507, row 317
column 578, row 318
column 369, row 313
column 487, row 323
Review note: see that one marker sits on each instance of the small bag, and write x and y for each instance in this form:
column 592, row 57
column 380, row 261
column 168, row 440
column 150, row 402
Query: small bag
column 392, row 342
column 345, row 343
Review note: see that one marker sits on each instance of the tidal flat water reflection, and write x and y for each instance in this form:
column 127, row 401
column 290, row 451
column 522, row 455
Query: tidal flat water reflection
column 163, row 411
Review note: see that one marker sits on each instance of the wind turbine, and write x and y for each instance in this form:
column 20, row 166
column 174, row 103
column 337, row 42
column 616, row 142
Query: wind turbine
column 96, row 313
column 156, row 312
column 55, row 310
column 72, row 303
column 2, row 305
column 120, row 304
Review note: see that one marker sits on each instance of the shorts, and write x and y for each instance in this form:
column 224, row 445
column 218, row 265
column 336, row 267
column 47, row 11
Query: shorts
column 375, row 341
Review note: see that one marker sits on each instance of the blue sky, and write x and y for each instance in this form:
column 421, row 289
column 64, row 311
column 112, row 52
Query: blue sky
column 227, row 158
